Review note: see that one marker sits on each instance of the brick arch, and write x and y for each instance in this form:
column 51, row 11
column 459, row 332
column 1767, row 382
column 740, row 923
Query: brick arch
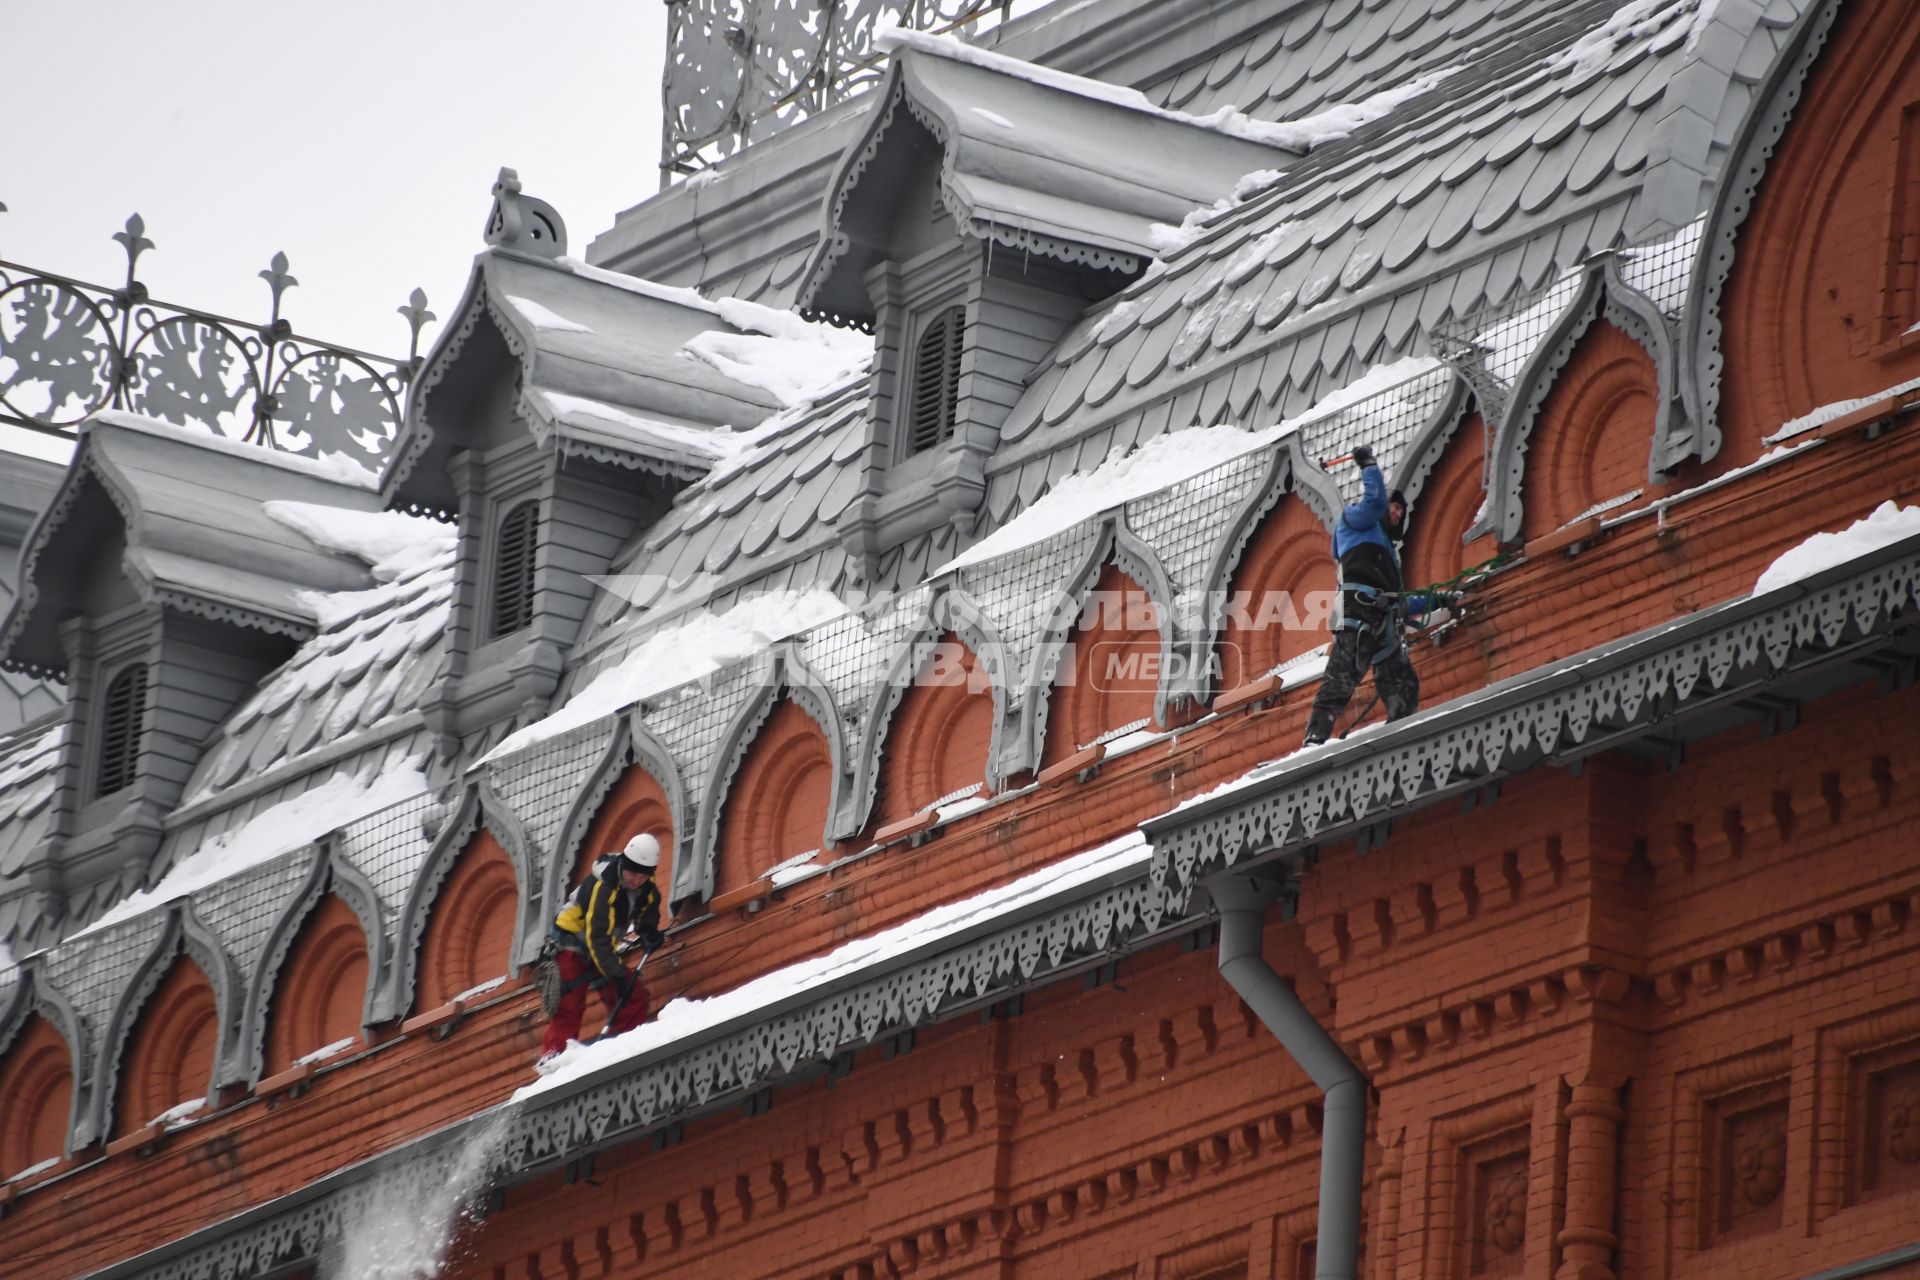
column 1823, row 287
column 469, row 934
column 636, row 803
column 1594, row 433
column 1445, row 508
column 1118, row 625
column 36, row 1097
column 777, row 805
column 939, row 737
column 1292, row 553
column 170, row 1053
column 320, row 995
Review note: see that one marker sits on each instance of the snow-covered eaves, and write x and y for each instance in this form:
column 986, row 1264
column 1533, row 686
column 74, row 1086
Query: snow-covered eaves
column 190, row 506
column 1033, row 158
column 603, row 373
column 1803, row 639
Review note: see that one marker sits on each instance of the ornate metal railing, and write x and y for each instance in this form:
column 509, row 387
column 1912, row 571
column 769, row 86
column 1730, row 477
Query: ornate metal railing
column 69, row 349
column 738, row 70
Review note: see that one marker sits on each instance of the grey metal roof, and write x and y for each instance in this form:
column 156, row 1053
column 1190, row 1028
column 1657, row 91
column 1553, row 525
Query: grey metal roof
column 29, row 757
column 601, row 373
column 1032, row 159
column 197, row 534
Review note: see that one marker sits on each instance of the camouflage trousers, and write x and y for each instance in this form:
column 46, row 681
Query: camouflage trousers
column 1393, row 676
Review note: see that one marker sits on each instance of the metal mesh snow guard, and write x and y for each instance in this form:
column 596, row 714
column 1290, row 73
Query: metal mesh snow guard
column 1581, row 705
column 1123, row 916
column 740, row 69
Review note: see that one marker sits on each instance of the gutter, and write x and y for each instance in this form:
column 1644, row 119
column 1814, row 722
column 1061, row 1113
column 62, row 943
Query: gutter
column 1242, row 902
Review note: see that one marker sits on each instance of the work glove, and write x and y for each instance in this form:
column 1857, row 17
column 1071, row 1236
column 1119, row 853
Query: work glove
column 650, row 940
column 1363, row 456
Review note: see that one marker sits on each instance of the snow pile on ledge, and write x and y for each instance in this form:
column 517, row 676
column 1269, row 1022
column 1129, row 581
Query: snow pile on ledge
column 337, row 467
column 780, row 353
column 1836, row 409
column 393, row 544
column 543, row 317
column 683, row 1019
column 1887, row 524
column 691, row 648
column 397, row 547
column 275, row 830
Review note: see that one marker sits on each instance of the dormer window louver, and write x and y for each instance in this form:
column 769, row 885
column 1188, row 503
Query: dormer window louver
column 513, row 570
column 122, row 716
column 936, row 381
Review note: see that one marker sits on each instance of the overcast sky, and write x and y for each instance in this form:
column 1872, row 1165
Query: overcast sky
column 361, row 137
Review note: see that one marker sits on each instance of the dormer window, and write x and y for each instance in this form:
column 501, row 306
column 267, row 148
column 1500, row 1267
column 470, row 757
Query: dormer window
column 513, row 569
column 935, row 402
column 122, row 718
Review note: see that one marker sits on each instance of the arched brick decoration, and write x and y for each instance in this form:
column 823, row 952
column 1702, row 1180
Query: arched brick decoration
column 777, row 805
column 636, row 803
column 1281, row 594
column 1823, row 289
column 1444, row 511
column 1109, row 674
column 36, row 1094
column 169, row 1056
column 1594, row 435
column 469, row 935
column 940, row 734
column 320, row 995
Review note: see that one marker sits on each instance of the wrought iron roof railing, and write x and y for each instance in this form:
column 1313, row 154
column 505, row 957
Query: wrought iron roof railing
column 738, row 70
column 69, row 349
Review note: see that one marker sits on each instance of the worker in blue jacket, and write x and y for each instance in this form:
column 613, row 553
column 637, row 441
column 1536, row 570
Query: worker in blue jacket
column 1374, row 607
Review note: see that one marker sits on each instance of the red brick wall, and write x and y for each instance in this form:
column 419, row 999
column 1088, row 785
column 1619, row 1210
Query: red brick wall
column 168, row 1058
column 1820, row 297
column 941, row 732
column 777, row 803
column 320, row 994
column 636, row 805
column 1285, row 579
column 36, row 1084
column 1445, row 510
column 1594, row 434
column 1108, row 672
column 469, row 934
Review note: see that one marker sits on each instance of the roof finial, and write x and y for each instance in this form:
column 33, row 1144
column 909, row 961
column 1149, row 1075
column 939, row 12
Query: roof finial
column 417, row 316
column 523, row 223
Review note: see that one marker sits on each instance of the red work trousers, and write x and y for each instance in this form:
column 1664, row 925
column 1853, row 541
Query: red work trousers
column 565, row 1024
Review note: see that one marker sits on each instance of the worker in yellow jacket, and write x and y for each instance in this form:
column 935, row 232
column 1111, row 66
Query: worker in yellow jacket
column 618, row 897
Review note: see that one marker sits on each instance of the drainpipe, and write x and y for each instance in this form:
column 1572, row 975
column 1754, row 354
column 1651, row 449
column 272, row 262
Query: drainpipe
column 1242, row 901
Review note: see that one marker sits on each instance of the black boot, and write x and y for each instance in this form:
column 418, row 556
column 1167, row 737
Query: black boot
column 1319, row 727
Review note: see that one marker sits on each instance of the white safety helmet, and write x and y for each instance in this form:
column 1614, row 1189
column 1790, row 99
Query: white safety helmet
column 641, row 854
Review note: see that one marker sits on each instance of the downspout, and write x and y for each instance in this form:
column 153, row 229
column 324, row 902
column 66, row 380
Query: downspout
column 1242, row 901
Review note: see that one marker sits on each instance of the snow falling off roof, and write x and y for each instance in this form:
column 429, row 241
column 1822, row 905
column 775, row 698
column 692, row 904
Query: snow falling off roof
column 277, row 829
column 396, row 546
column 681, row 1019
column 691, row 648
column 1888, row 523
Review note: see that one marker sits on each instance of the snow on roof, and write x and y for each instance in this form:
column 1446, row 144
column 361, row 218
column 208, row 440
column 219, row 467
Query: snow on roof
column 1167, row 460
column 542, row 317
column 634, row 284
column 1591, row 53
column 689, row 649
column 797, row 364
column 682, row 1019
column 1293, row 135
column 1839, row 408
column 281, row 828
column 1885, row 525
column 337, row 467
column 393, row 544
column 711, row 442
